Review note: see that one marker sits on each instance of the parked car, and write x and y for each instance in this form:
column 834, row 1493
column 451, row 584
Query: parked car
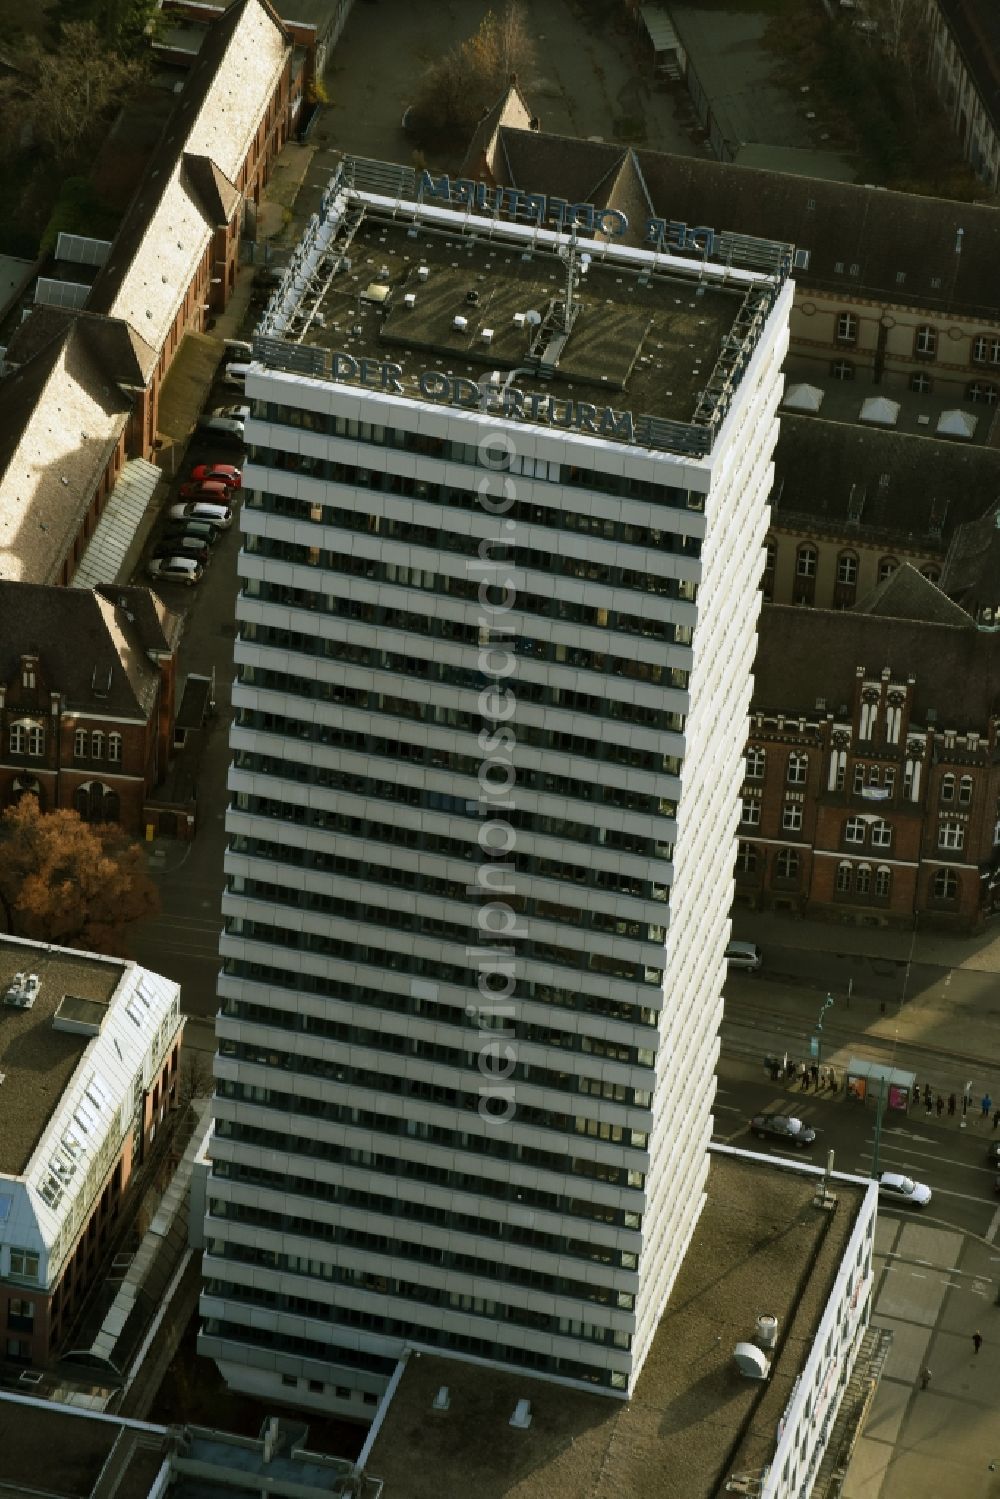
column 238, row 413
column 782, row 1127
column 222, row 428
column 208, row 489
column 215, row 515
column 896, row 1188
column 176, row 570
column 744, row 955
column 218, row 473
column 200, row 531
column 237, row 348
column 235, row 374
column 182, row 546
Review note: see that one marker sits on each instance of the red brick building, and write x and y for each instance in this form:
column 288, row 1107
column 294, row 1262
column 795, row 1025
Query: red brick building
column 81, row 389
column 87, row 699
column 872, row 789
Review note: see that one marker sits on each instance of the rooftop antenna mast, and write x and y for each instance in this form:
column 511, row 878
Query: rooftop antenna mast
column 577, row 266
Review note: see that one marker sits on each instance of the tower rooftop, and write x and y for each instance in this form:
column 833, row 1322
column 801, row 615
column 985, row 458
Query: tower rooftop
column 451, row 307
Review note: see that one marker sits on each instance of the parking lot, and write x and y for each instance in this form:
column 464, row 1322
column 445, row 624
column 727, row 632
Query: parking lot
column 182, row 941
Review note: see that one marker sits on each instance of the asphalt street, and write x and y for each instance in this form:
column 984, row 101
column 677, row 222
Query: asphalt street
column 951, row 1160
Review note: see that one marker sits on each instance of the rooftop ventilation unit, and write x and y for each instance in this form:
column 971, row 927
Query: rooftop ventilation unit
column 766, row 1335
column 522, row 1415
column 410, row 299
column 22, row 991
column 519, row 320
column 423, row 272
column 487, row 335
column 751, row 1363
column 460, row 324
column 442, row 1400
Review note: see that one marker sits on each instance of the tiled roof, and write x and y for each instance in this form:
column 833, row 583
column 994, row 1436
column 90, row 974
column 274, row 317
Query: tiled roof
column 127, row 358
column 83, row 637
column 61, row 416
column 873, row 236
column 175, row 211
column 806, row 654
column 845, row 480
column 907, row 594
column 218, row 196
column 510, row 109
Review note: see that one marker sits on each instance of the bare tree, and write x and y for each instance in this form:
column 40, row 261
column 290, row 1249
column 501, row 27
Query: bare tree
column 59, row 95
column 196, row 1079
column 457, row 90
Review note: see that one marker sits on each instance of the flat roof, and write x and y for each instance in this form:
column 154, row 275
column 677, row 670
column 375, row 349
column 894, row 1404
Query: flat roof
column 760, row 1247
column 64, row 1454
column 37, row 1061
column 654, row 334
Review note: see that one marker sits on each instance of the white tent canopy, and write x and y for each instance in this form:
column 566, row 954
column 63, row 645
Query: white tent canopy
column 881, row 410
column 803, row 398
column 956, row 423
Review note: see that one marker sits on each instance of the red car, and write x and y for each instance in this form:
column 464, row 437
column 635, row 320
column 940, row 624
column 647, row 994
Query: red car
column 220, row 473
column 211, row 489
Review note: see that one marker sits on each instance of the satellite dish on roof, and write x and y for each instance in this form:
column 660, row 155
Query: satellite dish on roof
column 532, row 318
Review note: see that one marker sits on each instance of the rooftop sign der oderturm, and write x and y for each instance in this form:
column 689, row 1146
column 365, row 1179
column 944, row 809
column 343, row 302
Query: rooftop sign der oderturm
column 478, row 302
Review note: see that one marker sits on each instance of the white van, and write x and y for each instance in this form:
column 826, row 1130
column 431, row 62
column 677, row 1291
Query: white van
column 236, row 374
column 237, row 348
column 744, row 955
column 222, row 427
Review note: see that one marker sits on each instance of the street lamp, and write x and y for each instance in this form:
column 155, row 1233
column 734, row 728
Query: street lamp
column 827, row 1004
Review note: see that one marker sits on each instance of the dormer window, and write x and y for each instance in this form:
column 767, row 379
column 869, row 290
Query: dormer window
column 28, row 676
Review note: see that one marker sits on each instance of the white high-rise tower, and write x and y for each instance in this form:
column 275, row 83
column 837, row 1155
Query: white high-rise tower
column 503, row 522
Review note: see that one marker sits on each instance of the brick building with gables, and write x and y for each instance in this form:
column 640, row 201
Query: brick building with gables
column 872, row 789
column 87, row 700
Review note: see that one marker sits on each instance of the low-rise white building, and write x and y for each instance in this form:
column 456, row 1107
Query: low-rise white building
column 89, row 1053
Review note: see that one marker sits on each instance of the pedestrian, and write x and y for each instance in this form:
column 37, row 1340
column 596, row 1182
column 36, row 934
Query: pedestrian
column 927, row 1097
column 925, row 1377
column 916, row 1093
column 803, row 1074
column 996, row 1117
column 953, row 1104
column 985, row 1104
column 814, row 1071
column 965, row 1105
column 977, row 1341
column 939, row 1105
column 833, row 1080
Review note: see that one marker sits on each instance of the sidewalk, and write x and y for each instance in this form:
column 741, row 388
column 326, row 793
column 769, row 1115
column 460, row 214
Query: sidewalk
column 980, row 951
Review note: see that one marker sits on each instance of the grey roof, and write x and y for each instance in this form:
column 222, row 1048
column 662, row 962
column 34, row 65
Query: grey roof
column 159, row 628
column 907, row 594
column 83, row 637
column 972, row 567
column 806, row 654
column 848, row 480
column 873, row 235
column 975, row 26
